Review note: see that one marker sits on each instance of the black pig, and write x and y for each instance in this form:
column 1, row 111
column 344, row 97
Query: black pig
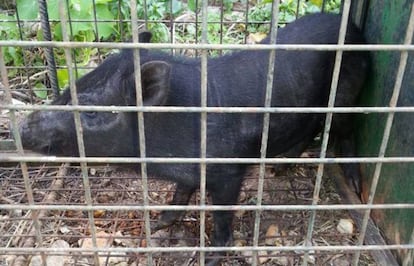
column 301, row 78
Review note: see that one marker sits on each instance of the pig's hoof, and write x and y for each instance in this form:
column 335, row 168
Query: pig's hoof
column 159, row 225
column 166, row 219
column 355, row 184
column 213, row 262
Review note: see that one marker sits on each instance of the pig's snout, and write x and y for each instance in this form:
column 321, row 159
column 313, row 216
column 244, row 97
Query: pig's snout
column 42, row 133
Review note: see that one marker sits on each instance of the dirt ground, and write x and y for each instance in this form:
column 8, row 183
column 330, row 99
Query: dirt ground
column 120, row 187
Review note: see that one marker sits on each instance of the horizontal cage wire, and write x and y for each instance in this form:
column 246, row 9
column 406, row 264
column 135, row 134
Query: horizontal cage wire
column 101, row 210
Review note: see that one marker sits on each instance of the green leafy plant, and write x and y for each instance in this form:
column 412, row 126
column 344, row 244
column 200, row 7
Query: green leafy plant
column 9, row 30
column 289, row 10
column 113, row 24
column 81, row 14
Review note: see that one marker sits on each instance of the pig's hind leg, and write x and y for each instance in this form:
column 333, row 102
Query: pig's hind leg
column 343, row 138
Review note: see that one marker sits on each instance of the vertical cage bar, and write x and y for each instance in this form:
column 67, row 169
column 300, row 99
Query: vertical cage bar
column 328, row 121
column 50, row 58
column 203, row 128
column 26, row 177
column 78, row 126
column 387, row 130
column 141, row 128
column 266, row 122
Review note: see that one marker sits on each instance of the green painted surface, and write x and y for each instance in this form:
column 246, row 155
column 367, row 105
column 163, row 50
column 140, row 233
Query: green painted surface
column 386, row 23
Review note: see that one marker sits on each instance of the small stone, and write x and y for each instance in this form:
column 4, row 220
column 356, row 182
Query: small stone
column 247, row 254
column 242, row 196
column 345, row 226
column 36, row 261
column 239, row 214
column 240, row 242
column 60, row 244
column 64, row 230
column 92, row 171
column 311, row 259
column 118, row 239
column 7, row 259
column 52, row 260
column 98, row 213
column 116, row 258
column 263, row 256
column 122, row 263
column 341, row 262
column 102, row 241
column 279, row 260
column 272, row 235
column 56, row 260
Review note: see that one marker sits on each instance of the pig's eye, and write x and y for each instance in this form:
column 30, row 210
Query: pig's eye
column 90, row 115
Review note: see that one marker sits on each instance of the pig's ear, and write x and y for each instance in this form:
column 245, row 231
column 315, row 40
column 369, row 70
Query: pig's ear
column 145, row 37
column 155, row 77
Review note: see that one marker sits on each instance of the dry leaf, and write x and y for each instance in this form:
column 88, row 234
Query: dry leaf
column 98, row 213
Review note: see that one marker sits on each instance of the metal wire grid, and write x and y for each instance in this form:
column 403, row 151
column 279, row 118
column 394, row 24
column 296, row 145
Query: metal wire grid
column 262, row 161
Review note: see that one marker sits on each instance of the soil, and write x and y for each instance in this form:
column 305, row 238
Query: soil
column 117, row 186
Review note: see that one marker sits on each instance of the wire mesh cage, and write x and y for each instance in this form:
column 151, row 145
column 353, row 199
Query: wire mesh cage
column 77, row 207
